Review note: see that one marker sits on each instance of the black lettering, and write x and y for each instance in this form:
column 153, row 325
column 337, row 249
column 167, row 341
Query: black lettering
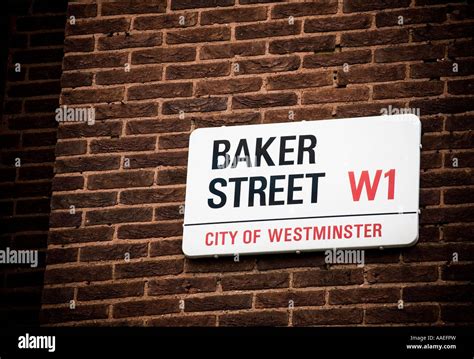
column 216, row 154
column 238, row 184
column 284, row 150
column 310, row 148
column 215, row 191
column 242, row 147
column 314, row 187
column 273, row 190
column 254, row 191
column 262, row 151
column 292, row 189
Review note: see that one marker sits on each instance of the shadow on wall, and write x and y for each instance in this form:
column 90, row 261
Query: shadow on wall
column 31, row 71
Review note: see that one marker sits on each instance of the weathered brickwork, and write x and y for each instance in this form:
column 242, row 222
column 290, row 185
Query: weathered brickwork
column 27, row 155
column 157, row 70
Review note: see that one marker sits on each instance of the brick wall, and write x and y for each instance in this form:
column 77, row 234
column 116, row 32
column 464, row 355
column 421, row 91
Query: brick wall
column 208, row 63
column 28, row 134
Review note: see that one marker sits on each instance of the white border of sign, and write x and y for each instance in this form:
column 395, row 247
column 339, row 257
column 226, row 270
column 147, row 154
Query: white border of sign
column 377, row 143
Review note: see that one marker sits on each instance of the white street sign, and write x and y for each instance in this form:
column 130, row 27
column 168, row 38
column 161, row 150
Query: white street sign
column 303, row 186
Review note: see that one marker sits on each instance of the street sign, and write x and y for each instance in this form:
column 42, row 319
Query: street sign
column 303, row 186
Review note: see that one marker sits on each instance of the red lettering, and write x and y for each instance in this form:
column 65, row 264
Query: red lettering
column 364, row 180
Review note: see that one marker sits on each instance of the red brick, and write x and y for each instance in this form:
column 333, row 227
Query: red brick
column 148, row 268
column 317, row 278
column 225, row 16
column 198, row 35
column 117, row 8
column 264, row 30
column 338, row 23
column 442, row 68
column 364, row 295
column 408, row 89
column 228, row 120
column 295, row 298
column 461, row 87
column 409, row 314
column 218, row 302
column 129, row 40
column 460, row 122
column 163, row 90
column 138, row 231
column 112, row 129
column 79, row 44
column 158, row 195
column 165, row 21
column 305, row 44
column 142, row 74
column 123, row 144
column 118, row 215
column 182, row 286
column 195, row 105
column 439, row 32
column 219, row 265
column 227, row 86
column 157, row 126
column 402, row 274
column 145, row 308
column 372, row 73
column 178, row 72
column 223, row 51
column 165, row 247
column 162, row 55
column 79, row 10
column 193, row 4
column 298, row 114
column 83, row 200
column 256, row 318
column 78, row 274
column 113, row 252
column 411, row 16
column 92, row 95
column 458, row 232
column 458, row 271
column 439, row 293
column 121, row 179
column 255, row 281
column 374, row 37
column 368, row 5
column 184, row 321
column 80, row 313
column 409, row 52
column 336, row 316
column 315, row 7
column 76, row 79
column 443, row 105
column 259, row 101
column 457, row 313
column 172, row 176
column 275, row 64
column 109, row 291
column 337, row 59
column 97, row 26
column 458, row 195
column 348, row 94
column 173, row 141
column 301, row 80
